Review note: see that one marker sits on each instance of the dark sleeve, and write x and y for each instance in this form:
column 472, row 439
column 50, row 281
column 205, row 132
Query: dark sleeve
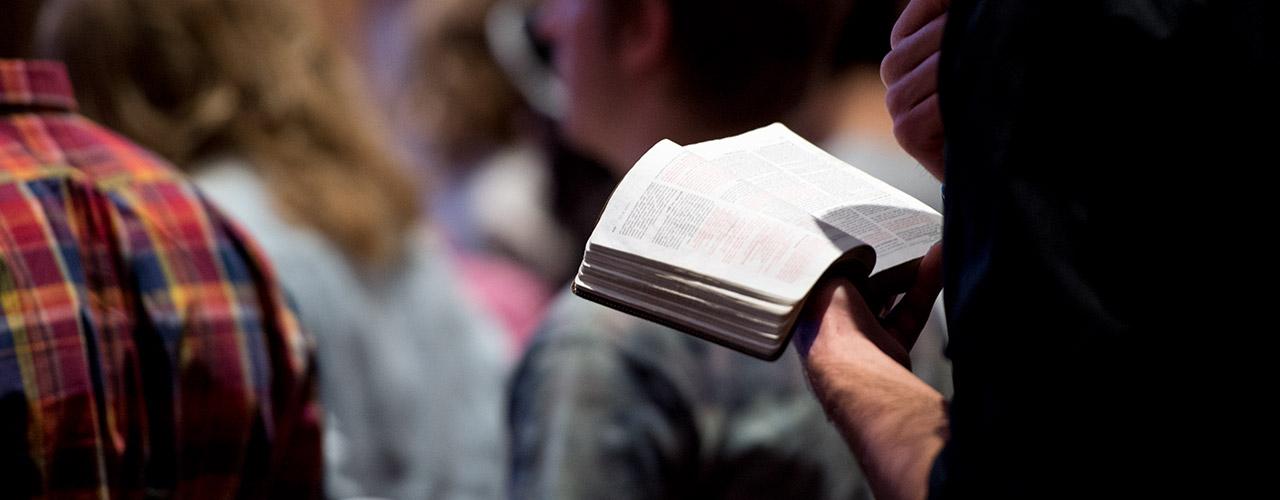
column 1101, row 186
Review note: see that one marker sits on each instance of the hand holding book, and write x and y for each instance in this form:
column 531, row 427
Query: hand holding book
column 895, row 329
column 725, row 239
column 894, row 422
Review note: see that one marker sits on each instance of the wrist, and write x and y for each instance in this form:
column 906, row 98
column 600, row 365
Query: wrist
column 894, row 422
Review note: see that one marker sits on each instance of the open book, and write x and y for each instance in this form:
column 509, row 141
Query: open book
column 725, row 239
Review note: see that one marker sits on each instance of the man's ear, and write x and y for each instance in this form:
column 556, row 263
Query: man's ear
column 645, row 37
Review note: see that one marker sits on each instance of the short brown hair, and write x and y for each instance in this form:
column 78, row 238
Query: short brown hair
column 16, row 27
column 748, row 61
column 456, row 95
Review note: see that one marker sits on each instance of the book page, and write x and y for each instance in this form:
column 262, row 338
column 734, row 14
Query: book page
column 677, row 208
column 787, row 167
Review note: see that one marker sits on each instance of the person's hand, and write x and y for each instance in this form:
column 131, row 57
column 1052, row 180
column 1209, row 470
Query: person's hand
column 910, row 72
column 840, row 323
column 856, row 363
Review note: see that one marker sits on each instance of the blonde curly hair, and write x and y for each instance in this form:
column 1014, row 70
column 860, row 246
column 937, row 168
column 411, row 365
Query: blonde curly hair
column 259, row 78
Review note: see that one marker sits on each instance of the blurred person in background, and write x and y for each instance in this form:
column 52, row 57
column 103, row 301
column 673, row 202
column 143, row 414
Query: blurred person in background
column 145, row 348
column 609, row 405
column 464, row 119
column 259, row 105
column 544, row 210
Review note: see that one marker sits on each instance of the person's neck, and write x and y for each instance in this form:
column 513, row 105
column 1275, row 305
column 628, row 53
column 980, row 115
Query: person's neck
column 17, row 29
column 11, row 49
column 664, row 118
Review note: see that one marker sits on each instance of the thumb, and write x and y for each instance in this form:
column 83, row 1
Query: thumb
column 835, row 316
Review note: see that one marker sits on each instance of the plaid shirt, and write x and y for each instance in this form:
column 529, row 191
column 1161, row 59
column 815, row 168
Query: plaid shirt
column 145, row 349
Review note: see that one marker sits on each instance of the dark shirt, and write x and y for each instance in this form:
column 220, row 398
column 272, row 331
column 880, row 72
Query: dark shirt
column 1101, row 205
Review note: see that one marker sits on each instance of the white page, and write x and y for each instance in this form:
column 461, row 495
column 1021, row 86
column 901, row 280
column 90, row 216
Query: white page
column 675, row 208
column 786, row 166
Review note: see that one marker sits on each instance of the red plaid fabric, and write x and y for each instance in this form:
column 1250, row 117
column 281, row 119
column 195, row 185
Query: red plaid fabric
column 145, row 348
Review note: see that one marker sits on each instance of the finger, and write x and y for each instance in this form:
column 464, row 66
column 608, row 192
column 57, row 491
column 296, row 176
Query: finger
column 909, row 92
column 919, row 132
column 846, row 325
column 917, row 14
column 910, row 315
column 838, row 306
column 912, row 51
column 826, row 307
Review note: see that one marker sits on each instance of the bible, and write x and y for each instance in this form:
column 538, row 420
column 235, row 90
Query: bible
column 726, row 239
